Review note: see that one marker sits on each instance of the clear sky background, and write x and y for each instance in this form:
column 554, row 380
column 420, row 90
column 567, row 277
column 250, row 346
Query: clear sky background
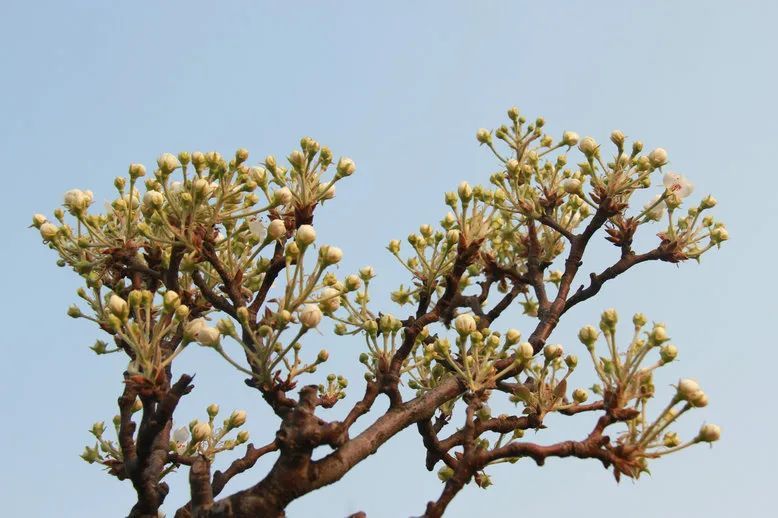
column 88, row 87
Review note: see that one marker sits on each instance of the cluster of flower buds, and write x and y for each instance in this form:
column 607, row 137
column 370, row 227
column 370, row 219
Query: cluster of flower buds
column 629, row 385
column 205, row 438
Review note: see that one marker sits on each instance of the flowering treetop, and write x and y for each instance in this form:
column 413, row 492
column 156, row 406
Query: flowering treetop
column 225, row 255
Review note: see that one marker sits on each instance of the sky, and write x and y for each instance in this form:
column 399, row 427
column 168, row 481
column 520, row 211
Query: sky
column 401, row 87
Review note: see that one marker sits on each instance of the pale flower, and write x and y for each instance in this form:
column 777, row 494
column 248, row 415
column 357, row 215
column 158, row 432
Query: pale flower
column 309, row 315
column 465, row 324
column 655, row 211
column 208, row 336
column 329, row 299
column 180, row 438
column 277, row 229
column 256, row 228
column 678, row 185
column 168, row 162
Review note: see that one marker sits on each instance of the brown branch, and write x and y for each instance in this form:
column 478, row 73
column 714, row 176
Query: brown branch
column 171, row 274
column 238, row 466
column 277, row 263
column 549, row 222
column 200, row 485
column 211, row 296
column 597, row 280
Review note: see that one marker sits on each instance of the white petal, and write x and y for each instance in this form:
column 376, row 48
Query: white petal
column 257, row 228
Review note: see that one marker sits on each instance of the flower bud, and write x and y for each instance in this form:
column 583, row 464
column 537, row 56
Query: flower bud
column 310, row 315
column 276, row 229
column 588, row 146
column 609, row 318
column 709, row 433
column 366, row 273
column 465, row 191
column 118, row 306
column 708, row 202
column 717, row 235
column 346, row 167
column 331, row 254
column 212, row 410
column 687, row 388
column 153, row 199
column 305, row 235
column 512, row 336
column 137, row 170
column 658, row 157
column 167, row 163
column 525, row 351
column 170, row 300
column 394, row 246
column 200, row 431
column 668, row 353
column 699, row 399
column 571, row 185
column 282, row 196
column 553, row 351
column 48, row 231
column 571, row 361
column 208, row 336
column 445, row 473
column 237, row 419
column 658, row 334
column 484, row 136
column 182, row 312
column 580, row 395
column 226, row 327
column 617, row 137
column 465, row 324
column 570, row 138
column 243, row 436
column 323, row 356
column 671, row 440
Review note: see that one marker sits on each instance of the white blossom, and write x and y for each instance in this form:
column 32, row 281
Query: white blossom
column 678, row 185
column 309, row 315
column 257, row 228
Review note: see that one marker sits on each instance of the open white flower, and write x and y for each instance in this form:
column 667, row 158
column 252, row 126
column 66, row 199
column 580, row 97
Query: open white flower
column 654, row 210
column 257, row 228
column 181, row 438
column 678, row 184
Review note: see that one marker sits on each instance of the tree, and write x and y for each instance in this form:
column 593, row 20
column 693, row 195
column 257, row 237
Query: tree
column 218, row 251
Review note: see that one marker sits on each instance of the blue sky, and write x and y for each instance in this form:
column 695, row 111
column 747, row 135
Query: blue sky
column 88, row 87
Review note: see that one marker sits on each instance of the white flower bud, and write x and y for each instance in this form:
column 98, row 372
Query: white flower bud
column 305, row 235
column 525, row 351
column 483, row 136
column 309, row 315
column 512, row 336
column 282, row 196
column 658, row 157
column 137, row 170
column 208, row 336
column 571, row 185
column 118, row 306
column 553, row 351
column 570, row 138
column 366, row 273
column 346, row 167
column 237, row 418
column 668, row 353
column 329, row 299
column 465, row 324
column 331, row 254
column 48, row 231
column 277, row 229
column 719, row 234
column 617, row 137
column 212, row 410
column 168, row 162
column 465, row 191
column 588, row 146
column 709, row 433
column 153, row 199
column 687, row 388
column 580, row 395
column 38, row 220
column 201, row 431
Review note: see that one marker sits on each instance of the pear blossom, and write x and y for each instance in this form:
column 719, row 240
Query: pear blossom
column 77, row 200
column 305, row 235
column 655, row 210
column 277, row 229
column 309, row 315
column 678, row 185
column 570, row 138
column 193, row 327
column 180, row 438
column 658, row 157
column 332, row 254
column 346, row 167
column 117, row 305
column 465, row 324
column 208, row 336
column 329, row 299
column 282, row 196
column 571, row 185
column 48, row 231
column 237, row 418
column 525, row 351
column 687, row 388
column 709, row 433
column 167, row 162
column 256, row 228
column 201, row 431
column 153, row 199
column 588, row 146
